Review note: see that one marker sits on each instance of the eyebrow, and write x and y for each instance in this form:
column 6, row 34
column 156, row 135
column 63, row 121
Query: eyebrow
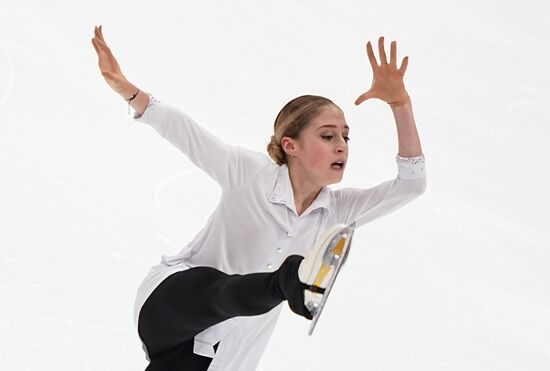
column 332, row 126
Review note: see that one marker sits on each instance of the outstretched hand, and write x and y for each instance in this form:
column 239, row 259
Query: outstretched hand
column 108, row 64
column 387, row 81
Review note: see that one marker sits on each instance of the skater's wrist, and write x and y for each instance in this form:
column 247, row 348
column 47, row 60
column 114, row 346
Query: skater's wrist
column 127, row 90
column 136, row 98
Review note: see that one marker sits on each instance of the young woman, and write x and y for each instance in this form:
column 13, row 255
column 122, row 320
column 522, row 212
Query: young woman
column 214, row 305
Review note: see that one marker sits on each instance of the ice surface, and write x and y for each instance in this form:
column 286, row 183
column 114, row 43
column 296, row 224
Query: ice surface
column 89, row 200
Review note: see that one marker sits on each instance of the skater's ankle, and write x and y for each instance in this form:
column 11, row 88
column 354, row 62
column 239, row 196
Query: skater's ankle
column 291, row 286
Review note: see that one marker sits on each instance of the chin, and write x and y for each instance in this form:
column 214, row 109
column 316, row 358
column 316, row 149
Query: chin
column 335, row 180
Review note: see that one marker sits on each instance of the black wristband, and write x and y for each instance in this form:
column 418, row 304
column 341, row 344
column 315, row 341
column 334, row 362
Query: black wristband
column 133, row 96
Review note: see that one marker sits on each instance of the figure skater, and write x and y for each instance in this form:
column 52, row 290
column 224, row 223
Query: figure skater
column 214, row 305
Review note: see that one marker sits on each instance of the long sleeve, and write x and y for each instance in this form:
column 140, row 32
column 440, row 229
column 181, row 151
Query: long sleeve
column 230, row 166
column 365, row 205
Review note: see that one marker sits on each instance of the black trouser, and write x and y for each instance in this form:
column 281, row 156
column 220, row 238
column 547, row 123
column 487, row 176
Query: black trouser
column 188, row 302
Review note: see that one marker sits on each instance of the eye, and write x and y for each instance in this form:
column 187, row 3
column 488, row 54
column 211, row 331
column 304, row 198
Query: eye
column 329, row 137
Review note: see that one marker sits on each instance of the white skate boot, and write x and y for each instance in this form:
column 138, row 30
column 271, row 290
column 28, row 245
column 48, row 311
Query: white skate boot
column 320, row 268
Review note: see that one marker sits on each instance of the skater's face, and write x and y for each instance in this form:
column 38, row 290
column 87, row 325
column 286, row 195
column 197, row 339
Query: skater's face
column 321, row 151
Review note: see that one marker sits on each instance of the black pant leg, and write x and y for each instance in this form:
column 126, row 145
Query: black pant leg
column 188, row 302
column 180, row 358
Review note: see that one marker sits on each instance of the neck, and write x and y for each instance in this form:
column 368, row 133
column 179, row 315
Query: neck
column 304, row 191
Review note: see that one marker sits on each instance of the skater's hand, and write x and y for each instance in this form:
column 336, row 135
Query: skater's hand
column 387, row 81
column 108, row 65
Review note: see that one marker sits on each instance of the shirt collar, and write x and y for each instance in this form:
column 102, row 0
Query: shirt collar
column 283, row 194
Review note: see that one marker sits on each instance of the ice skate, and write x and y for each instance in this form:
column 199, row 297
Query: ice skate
column 321, row 267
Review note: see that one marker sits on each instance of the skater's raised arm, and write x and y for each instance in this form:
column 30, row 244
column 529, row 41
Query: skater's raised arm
column 365, row 205
column 387, row 85
column 114, row 77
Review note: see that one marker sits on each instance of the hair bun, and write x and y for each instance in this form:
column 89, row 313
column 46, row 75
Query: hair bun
column 275, row 151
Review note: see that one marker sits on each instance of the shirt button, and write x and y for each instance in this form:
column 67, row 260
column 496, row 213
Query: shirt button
column 269, row 266
column 288, row 234
column 279, row 250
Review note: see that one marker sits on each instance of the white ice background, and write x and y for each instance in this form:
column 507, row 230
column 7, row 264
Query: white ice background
column 89, row 200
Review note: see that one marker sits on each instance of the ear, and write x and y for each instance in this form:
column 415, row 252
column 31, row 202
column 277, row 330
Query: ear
column 290, row 146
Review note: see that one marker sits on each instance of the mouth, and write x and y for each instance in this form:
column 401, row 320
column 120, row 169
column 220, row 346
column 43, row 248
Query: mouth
column 338, row 165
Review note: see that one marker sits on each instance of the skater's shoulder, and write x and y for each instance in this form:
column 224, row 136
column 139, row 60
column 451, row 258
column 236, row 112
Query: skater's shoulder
column 252, row 155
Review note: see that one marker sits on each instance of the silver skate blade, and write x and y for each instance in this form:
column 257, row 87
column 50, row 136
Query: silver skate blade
column 349, row 231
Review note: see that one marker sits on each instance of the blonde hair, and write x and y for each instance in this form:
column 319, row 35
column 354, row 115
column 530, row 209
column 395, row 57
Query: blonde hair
column 291, row 120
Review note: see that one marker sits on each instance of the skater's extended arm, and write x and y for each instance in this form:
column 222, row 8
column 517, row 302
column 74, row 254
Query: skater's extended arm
column 113, row 75
column 387, row 85
column 230, row 166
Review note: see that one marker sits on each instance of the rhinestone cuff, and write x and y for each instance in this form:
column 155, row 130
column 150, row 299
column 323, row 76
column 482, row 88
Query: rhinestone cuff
column 411, row 167
column 150, row 110
column 410, row 160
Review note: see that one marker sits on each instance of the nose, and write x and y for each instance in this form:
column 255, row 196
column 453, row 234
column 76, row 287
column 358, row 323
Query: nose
column 341, row 145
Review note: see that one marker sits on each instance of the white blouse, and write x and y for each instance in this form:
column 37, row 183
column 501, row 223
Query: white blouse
column 255, row 225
